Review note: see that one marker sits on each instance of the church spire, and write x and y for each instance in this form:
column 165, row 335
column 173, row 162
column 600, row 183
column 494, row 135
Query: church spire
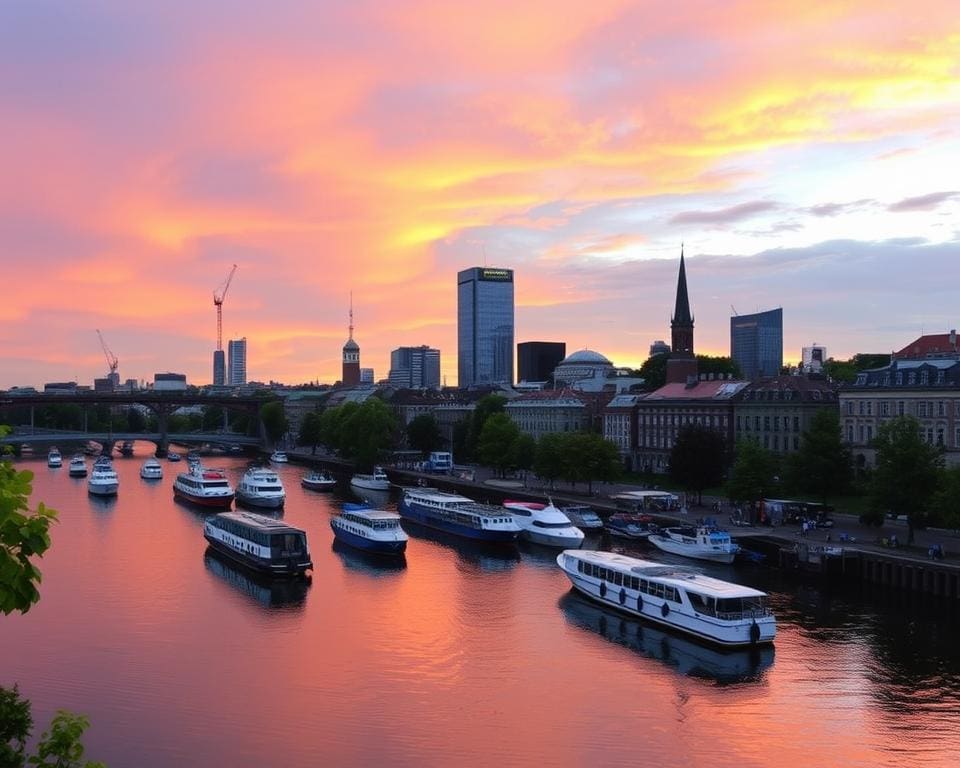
column 681, row 324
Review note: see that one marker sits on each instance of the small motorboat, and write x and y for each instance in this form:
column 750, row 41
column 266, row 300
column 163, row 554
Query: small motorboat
column 631, row 526
column 279, row 457
column 151, row 470
column 319, row 481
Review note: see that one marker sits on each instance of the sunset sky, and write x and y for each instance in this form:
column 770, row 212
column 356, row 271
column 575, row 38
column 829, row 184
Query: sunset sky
column 807, row 154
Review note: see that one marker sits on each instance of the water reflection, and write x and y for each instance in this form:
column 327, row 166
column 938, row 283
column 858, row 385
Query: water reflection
column 685, row 655
column 376, row 499
column 486, row 555
column 269, row 593
column 370, row 564
column 102, row 503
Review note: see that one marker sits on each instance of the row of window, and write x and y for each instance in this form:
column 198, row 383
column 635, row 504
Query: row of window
column 921, row 408
column 932, row 435
column 620, row 579
column 912, row 378
column 743, row 423
column 676, row 420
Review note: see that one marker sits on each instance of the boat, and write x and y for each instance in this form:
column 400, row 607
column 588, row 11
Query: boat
column 378, row 481
column 103, row 479
column 92, row 448
column 279, row 457
column 266, row 591
column 26, row 449
column 582, row 516
column 78, row 466
column 54, row 459
column 458, row 515
column 371, row 530
column 544, row 524
column 678, row 597
column 261, row 487
column 259, row 542
column 702, row 543
column 151, row 470
column 193, row 457
column 126, row 449
column 631, row 526
column 203, row 486
column 173, row 456
column 319, row 481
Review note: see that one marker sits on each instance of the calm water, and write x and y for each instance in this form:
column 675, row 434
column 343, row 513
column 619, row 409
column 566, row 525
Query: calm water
column 460, row 656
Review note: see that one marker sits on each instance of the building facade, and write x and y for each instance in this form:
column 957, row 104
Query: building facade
column 620, row 426
column 536, row 360
column 756, row 343
column 415, row 367
column 484, row 326
column 812, row 358
column 777, row 411
column 169, row 382
column 237, row 362
column 219, row 368
column 549, row 411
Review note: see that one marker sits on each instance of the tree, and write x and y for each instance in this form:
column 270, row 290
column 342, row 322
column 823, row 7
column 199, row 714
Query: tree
column 136, row 421
column 945, row 510
column 823, row 465
column 495, row 446
column 654, row 371
column 274, row 420
column 310, row 431
column 718, row 366
column 212, row 418
column 907, row 471
column 523, row 452
column 423, row 433
column 698, row 459
column 847, row 370
column 548, row 463
column 752, row 475
column 461, row 431
column 600, row 458
column 366, row 431
column 16, row 722
column 485, row 408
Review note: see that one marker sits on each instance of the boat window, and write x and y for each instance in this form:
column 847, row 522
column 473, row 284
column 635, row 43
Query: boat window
column 634, row 582
column 618, row 578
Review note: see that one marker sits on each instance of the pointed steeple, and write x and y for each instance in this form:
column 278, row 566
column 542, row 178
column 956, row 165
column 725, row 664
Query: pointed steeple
column 681, row 312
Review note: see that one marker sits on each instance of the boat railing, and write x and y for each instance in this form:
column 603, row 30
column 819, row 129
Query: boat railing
column 754, row 613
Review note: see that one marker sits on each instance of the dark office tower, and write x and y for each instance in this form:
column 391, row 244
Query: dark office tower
column 682, row 363
column 219, row 368
column 351, row 356
column 756, row 343
column 537, row 359
column 415, row 367
column 485, row 326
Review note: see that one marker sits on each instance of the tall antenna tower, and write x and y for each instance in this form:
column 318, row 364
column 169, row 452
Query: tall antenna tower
column 218, row 296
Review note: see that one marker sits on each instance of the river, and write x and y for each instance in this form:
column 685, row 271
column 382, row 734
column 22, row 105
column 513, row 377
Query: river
column 458, row 656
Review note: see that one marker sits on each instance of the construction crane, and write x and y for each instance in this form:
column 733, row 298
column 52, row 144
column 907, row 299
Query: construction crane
column 218, row 296
column 111, row 358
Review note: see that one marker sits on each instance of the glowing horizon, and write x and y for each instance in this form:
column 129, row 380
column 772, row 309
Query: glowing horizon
column 804, row 155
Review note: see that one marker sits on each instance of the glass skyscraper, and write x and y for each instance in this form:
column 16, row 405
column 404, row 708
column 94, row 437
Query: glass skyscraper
column 756, row 343
column 484, row 326
column 237, row 362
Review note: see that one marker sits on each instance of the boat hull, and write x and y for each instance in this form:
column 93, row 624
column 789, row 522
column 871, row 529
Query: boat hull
column 372, row 546
column 263, row 502
column 324, row 485
column 103, row 489
column 266, row 567
column 685, row 550
column 551, row 540
column 78, row 472
column 210, row 502
column 425, row 516
column 370, row 485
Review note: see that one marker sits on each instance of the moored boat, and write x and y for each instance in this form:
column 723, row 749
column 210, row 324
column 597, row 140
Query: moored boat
column 279, row 457
column 54, row 459
column 630, row 526
column 319, row 481
column 261, row 487
column 78, row 466
column 377, row 481
column 103, row 479
column 544, row 524
column 258, row 542
column 583, row 517
column 203, row 486
column 371, row 530
column 173, row 456
column 722, row 612
column 151, row 470
column 701, row 543
column 458, row 515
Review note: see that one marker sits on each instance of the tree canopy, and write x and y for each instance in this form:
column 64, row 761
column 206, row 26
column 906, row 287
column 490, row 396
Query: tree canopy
column 752, row 476
column 654, row 370
column 423, row 433
column 495, row 446
column 945, row 510
column 823, row 465
column 576, row 457
column 485, row 408
column 274, row 420
column 360, row 432
column 310, row 430
column 847, row 370
column 698, row 459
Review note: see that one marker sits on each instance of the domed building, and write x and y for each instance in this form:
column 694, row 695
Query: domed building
column 580, row 365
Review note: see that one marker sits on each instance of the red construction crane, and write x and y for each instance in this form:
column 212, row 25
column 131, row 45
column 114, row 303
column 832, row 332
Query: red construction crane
column 111, row 358
column 218, row 296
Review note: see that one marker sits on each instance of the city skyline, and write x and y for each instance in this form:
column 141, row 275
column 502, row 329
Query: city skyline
column 802, row 153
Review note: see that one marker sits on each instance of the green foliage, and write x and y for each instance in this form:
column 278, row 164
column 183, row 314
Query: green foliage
column 945, row 510
column 577, row 457
column 718, row 365
column 907, row 471
column 212, row 418
column 523, row 452
column 360, row 432
column 16, row 722
column 60, row 747
column 23, row 535
column 423, row 433
column 485, row 408
column 753, row 472
column 698, row 459
column 274, row 420
column 654, row 371
column 847, row 370
column 823, row 465
column 495, row 445
column 548, row 462
column 136, row 421
column 311, row 430
column 461, row 432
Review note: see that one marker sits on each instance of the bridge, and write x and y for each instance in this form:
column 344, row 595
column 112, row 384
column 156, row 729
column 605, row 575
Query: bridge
column 161, row 403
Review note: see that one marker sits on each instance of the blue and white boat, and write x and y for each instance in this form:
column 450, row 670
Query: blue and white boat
column 458, row 515
column 371, row 530
column 701, row 543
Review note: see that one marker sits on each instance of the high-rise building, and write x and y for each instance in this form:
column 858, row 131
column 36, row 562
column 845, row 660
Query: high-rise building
column 350, row 376
column 366, row 375
column 485, row 326
column 415, row 367
column 813, row 358
column 682, row 363
column 536, row 360
column 219, row 368
column 659, row 347
column 237, row 362
column 756, row 343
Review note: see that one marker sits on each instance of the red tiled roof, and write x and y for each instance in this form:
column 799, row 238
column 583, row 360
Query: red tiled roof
column 702, row 390
column 931, row 344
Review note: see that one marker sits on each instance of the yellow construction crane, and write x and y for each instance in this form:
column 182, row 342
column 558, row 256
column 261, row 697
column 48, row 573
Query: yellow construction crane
column 218, row 296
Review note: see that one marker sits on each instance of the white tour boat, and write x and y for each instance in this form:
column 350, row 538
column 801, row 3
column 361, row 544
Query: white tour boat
column 279, row 457
column 54, row 459
column 728, row 614
column 319, row 481
column 151, row 469
column 544, row 524
column 701, row 543
column 78, row 466
column 206, row 487
column 452, row 513
column 371, row 530
column 261, row 487
column 103, row 480
column 259, row 542
column 378, row 481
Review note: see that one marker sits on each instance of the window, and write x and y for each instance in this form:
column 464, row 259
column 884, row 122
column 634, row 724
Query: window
column 796, row 423
column 922, row 409
column 862, row 434
column 869, row 407
column 849, row 407
column 862, row 407
column 756, row 423
column 766, row 422
column 796, row 443
column 911, row 378
column 899, row 377
column 940, row 376
column 850, row 434
column 941, row 408
column 869, row 433
column 884, row 408
column 900, row 410
column 940, row 432
column 924, row 377
column 930, row 435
